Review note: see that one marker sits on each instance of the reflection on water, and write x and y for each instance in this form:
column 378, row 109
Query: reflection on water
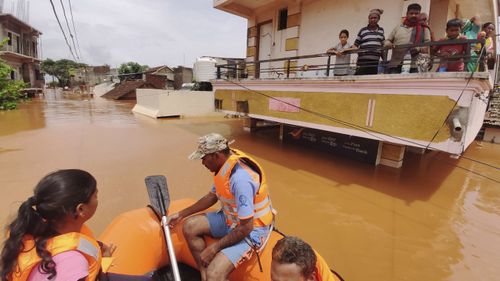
column 429, row 220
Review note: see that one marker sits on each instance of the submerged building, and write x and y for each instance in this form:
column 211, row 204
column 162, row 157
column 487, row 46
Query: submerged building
column 370, row 117
column 20, row 50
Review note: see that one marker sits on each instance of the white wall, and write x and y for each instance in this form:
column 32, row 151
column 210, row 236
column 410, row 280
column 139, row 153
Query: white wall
column 103, row 88
column 323, row 20
column 164, row 103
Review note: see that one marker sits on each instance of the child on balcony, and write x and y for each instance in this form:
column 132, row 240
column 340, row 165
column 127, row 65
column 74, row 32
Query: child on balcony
column 452, row 56
column 342, row 55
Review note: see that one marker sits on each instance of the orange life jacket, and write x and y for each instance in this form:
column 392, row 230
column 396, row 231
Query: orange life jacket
column 323, row 272
column 263, row 211
column 28, row 260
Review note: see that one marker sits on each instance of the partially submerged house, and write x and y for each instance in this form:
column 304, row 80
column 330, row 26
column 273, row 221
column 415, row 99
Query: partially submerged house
column 161, row 77
column 126, row 90
column 21, row 50
column 93, row 75
column 370, row 117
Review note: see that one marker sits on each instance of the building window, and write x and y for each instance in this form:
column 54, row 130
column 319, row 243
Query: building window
column 218, row 104
column 9, row 34
column 242, row 106
column 18, row 49
column 283, row 18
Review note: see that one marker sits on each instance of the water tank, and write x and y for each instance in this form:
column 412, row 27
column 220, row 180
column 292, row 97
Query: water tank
column 204, row 69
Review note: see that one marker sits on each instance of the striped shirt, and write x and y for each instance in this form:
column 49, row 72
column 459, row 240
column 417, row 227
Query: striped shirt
column 369, row 39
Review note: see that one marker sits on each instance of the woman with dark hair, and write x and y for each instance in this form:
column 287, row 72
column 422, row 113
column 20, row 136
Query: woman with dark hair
column 482, row 53
column 48, row 239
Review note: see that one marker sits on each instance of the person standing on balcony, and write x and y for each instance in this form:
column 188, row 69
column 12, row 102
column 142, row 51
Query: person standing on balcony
column 452, row 56
column 342, row 55
column 423, row 19
column 472, row 27
column 411, row 31
column 370, row 41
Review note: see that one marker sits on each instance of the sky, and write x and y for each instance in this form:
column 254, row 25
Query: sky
column 150, row 32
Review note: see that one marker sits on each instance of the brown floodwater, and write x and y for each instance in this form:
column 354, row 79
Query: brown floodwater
column 437, row 218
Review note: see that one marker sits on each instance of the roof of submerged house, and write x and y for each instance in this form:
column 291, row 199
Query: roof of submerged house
column 123, row 89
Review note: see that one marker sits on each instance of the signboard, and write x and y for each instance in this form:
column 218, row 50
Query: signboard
column 284, row 104
column 350, row 146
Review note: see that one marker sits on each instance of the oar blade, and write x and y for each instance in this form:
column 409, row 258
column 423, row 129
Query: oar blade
column 158, row 193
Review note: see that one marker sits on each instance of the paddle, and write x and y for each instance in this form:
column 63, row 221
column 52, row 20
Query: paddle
column 160, row 201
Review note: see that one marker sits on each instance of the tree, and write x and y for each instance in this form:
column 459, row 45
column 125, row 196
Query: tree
column 10, row 90
column 62, row 69
column 134, row 69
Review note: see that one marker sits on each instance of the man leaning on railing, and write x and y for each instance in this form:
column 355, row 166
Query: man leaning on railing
column 411, row 31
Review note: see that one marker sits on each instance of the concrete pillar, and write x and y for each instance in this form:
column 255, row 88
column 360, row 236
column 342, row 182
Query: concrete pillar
column 391, row 154
column 249, row 124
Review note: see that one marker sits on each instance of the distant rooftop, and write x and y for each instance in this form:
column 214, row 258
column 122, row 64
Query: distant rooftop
column 4, row 17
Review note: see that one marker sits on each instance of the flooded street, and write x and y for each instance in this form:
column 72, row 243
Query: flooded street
column 431, row 220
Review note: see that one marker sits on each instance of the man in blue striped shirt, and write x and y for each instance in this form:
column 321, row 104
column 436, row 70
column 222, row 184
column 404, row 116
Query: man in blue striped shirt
column 370, row 41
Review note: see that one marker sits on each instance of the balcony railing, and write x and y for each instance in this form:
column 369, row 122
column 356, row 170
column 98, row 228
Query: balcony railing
column 19, row 50
column 299, row 66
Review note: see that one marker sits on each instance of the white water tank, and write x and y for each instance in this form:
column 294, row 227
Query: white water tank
column 204, row 69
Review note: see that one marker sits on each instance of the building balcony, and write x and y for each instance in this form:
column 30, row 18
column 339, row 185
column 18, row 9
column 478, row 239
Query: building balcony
column 242, row 8
column 436, row 110
column 21, row 54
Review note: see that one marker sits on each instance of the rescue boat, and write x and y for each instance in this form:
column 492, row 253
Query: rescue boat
column 142, row 253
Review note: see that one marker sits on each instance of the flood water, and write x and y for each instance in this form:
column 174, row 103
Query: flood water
column 437, row 218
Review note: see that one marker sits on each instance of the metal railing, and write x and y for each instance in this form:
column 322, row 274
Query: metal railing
column 291, row 64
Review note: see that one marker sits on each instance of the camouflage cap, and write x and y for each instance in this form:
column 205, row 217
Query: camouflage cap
column 207, row 144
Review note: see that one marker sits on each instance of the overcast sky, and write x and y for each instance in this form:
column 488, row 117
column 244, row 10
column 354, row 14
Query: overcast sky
column 152, row 32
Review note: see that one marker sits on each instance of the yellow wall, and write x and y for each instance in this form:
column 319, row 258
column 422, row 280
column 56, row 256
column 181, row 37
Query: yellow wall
column 411, row 116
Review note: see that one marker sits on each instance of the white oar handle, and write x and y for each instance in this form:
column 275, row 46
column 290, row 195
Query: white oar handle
column 170, row 247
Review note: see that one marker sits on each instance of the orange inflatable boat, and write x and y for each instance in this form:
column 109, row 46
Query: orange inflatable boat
column 142, row 252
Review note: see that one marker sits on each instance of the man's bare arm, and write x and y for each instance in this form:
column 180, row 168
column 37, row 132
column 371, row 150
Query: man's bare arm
column 236, row 235
column 204, row 203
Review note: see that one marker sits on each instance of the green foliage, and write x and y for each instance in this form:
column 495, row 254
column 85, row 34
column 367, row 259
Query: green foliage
column 10, row 90
column 134, row 69
column 62, row 69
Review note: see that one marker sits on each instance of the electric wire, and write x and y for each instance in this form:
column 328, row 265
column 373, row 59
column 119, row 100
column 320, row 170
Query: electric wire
column 69, row 29
column 458, row 99
column 74, row 29
column 62, row 30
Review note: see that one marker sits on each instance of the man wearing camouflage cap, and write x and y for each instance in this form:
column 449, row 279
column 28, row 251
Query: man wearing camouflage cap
column 245, row 219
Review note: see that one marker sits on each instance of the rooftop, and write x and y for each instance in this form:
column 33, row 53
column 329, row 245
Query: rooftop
column 9, row 17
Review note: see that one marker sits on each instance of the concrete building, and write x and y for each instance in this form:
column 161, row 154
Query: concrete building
column 182, row 75
column 372, row 117
column 93, row 75
column 161, row 77
column 21, row 50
